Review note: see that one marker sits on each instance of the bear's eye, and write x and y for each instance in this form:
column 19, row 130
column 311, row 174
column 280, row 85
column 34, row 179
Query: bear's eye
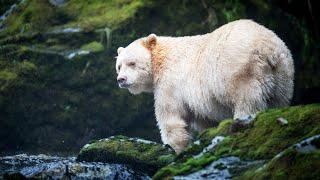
column 131, row 64
column 119, row 66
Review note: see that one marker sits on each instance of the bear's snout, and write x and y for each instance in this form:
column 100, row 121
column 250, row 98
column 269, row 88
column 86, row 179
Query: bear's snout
column 122, row 81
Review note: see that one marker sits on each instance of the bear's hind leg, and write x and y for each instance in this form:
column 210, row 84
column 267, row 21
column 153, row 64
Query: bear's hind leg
column 251, row 98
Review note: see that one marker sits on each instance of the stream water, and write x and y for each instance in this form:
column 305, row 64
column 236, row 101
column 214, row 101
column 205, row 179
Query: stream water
column 54, row 167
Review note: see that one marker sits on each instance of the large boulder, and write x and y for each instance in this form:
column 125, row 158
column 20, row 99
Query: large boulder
column 143, row 155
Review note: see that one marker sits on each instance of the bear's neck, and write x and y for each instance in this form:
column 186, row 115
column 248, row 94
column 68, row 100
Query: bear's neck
column 170, row 49
column 159, row 54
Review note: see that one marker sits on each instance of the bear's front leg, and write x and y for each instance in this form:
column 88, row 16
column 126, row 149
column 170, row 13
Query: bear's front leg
column 173, row 127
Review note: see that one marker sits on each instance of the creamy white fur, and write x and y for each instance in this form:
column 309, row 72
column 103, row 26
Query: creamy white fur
column 238, row 69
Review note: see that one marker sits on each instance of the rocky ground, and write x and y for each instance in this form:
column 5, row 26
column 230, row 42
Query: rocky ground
column 279, row 144
column 24, row 166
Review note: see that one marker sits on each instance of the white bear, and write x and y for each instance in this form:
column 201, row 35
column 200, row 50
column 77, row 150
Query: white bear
column 236, row 70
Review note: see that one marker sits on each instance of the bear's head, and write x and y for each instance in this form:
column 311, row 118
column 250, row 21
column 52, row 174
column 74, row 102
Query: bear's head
column 133, row 65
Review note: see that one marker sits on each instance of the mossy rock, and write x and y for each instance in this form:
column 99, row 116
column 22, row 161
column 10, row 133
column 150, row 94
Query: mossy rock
column 263, row 139
column 39, row 15
column 140, row 154
column 267, row 137
column 293, row 163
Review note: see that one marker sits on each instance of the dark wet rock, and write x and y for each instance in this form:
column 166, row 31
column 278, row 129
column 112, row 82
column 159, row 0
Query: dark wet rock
column 220, row 169
column 308, row 145
column 52, row 167
column 143, row 155
column 247, row 119
column 214, row 142
column 238, row 125
column 14, row 176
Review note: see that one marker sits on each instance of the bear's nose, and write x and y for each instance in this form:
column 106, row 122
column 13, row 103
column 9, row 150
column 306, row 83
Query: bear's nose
column 121, row 79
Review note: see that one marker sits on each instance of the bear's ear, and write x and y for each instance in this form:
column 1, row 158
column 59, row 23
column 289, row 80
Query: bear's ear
column 151, row 40
column 119, row 50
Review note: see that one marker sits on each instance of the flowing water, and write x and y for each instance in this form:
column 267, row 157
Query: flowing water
column 54, row 167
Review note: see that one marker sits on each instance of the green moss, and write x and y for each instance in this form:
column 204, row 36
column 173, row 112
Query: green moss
column 36, row 15
column 26, row 67
column 291, row 165
column 167, row 158
column 8, row 79
column 39, row 15
column 100, row 13
column 264, row 139
column 7, row 75
column 187, row 167
column 267, row 137
column 120, row 149
column 93, row 47
column 204, row 139
column 223, row 129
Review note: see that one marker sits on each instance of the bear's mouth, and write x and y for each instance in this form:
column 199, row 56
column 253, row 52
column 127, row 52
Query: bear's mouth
column 124, row 85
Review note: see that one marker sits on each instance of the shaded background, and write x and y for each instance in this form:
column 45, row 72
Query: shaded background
column 57, row 75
